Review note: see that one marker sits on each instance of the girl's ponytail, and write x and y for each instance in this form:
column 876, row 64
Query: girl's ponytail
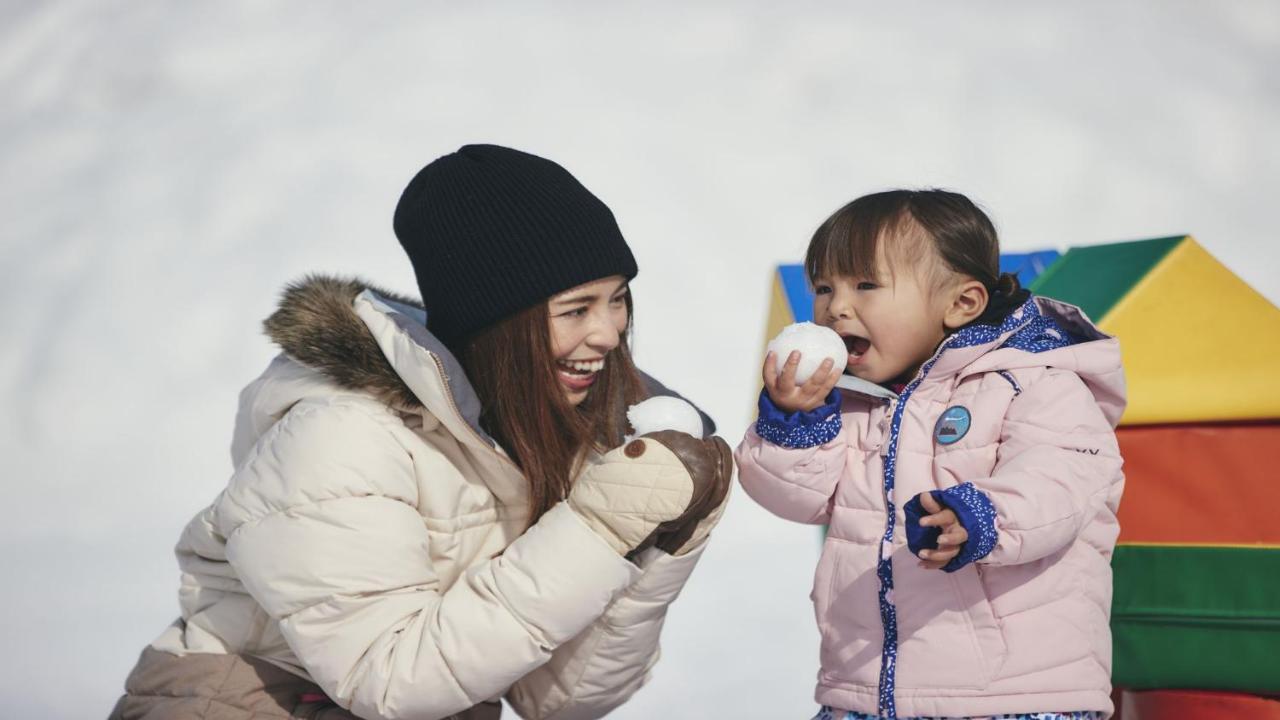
column 1006, row 295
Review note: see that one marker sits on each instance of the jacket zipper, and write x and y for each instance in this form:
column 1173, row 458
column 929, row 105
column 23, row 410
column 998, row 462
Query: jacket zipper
column 453, row 405
column 887, row 685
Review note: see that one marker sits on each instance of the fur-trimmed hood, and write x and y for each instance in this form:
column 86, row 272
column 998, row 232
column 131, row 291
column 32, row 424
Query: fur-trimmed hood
column 317, row 325
column 345, row 336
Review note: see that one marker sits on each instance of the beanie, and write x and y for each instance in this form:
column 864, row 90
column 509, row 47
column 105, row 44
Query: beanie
column 491, row 231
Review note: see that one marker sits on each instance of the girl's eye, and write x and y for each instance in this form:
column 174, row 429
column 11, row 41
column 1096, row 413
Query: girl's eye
column 619, row 299
column 577, row 312
column 867, row 286
column 821, row 289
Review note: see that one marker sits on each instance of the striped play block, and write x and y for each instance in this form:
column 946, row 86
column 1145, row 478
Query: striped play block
column 1197, row 571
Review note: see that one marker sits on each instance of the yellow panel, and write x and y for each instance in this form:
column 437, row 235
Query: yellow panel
column 779, row 317
column 1198, row 343
column 779, row 312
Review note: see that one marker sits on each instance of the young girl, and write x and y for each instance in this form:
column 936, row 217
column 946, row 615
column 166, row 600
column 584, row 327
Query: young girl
column 969, row 476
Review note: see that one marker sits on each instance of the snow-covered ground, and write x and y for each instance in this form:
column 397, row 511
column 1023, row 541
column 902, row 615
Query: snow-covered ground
column 167, row 166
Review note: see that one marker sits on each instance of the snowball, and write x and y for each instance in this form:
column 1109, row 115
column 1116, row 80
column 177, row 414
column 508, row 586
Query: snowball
column 815, row 343
column 664, row 413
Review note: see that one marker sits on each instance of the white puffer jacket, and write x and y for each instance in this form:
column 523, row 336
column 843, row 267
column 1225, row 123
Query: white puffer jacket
column 371, row 539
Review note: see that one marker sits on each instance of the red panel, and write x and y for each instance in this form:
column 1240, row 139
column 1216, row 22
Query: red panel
column 1189, row 484
column 1196, row 705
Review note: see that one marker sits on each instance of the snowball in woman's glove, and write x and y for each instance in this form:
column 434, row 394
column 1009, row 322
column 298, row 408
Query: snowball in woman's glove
column 664, row 413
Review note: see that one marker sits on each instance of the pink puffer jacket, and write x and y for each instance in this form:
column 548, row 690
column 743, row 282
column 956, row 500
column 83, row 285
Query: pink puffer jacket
column 1023, row 414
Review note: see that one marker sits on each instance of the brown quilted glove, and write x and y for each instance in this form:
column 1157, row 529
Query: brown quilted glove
column 627, row 493
column 710, row 466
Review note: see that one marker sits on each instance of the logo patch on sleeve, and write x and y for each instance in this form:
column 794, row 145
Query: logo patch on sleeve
column 952, row 425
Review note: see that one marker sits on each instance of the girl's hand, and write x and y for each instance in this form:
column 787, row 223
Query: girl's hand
column 788, row 396
column 949, row 542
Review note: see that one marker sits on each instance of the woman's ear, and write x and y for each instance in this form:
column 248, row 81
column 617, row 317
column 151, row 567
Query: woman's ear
column 967, row 301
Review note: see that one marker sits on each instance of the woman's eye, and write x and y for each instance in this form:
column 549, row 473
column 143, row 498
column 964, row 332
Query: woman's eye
column 867, row 286
column 621, row 299
column 821, row 289
column 577, row 313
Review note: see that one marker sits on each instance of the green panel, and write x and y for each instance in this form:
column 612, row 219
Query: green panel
column 1096, row 277
column 1196, row 617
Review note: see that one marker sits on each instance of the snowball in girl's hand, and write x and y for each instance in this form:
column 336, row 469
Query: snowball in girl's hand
column 815, row 343
column 664, row 413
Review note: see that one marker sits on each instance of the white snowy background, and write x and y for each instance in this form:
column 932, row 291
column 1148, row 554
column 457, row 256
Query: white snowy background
column 168, row 166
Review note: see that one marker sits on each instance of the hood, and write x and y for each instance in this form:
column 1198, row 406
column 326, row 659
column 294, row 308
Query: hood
column 345, row 335
column 1048, row 333
column 316, row 324
column 364, row 339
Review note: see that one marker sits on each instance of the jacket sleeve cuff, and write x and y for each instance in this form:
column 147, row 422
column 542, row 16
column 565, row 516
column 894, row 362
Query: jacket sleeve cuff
column 648, row 597
column 974, row 511
column 801, row 429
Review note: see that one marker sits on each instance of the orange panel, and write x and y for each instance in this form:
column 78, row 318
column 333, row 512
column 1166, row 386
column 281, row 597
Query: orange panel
column 1196, row 705
column 1201, row 484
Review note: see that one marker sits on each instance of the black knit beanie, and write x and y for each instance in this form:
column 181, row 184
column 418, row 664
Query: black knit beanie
column 491, row 231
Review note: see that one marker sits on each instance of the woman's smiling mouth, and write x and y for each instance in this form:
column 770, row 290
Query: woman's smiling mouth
column 579, row 375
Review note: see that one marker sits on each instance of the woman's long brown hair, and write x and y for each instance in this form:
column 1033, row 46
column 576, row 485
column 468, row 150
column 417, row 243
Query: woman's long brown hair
column 524, row 407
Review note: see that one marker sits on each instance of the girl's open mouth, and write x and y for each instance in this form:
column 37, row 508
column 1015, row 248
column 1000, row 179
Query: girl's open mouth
column 857, row 347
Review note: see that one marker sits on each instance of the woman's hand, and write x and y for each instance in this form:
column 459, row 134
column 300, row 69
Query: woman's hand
column 666, row 488
column 630, row 491
column 790, row 397
column 710, row 465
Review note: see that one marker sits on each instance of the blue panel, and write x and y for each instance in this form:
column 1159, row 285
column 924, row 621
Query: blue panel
column 1027, row 266
column 799, row 294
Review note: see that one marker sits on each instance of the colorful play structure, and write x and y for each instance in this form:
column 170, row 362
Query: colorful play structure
column 1196, row 608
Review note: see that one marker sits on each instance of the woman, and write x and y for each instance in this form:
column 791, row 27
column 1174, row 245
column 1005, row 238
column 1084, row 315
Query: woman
column 425, row 518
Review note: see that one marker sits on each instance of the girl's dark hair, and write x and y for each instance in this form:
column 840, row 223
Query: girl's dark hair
column 948, row 223
column 524, row 408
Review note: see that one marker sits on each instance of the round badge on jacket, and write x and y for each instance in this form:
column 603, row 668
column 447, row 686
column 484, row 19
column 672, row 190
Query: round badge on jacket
column 952, row 425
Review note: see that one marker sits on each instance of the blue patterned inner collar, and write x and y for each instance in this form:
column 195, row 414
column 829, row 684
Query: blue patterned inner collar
column 1031, row 329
